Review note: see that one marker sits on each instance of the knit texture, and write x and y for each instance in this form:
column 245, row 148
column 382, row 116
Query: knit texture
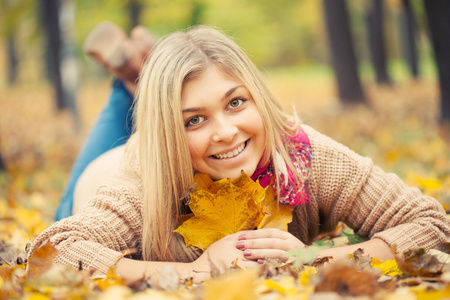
column 343, row 186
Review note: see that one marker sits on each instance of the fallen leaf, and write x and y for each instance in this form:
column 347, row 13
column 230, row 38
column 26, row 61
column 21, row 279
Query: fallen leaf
column 353, row 238
column 388, row 267
column 418, row 262
column 235, row 285
column 41, row 260
column 347, row 280
column 361, row 260
column 444, row 247
column 111, row 279
column 306, row 274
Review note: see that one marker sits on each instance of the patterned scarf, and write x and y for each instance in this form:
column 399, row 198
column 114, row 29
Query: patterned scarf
column 292, row 191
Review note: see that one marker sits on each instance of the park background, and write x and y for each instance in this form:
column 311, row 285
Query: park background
column 396, row 119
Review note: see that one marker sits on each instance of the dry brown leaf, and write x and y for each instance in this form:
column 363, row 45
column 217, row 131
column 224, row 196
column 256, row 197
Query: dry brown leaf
column 41, row 260
column 418, row 262
column 346, row 280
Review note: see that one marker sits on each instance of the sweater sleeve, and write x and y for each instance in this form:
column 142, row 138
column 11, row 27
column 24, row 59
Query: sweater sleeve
column 376, row 204
column 109, row 224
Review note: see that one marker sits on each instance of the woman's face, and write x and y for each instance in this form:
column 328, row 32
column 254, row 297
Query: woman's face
column 224, row 129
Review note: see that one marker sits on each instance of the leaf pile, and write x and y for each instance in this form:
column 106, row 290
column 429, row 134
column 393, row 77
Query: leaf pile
column 360, row 276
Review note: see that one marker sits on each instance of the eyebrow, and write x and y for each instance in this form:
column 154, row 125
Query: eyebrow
column 226, row 95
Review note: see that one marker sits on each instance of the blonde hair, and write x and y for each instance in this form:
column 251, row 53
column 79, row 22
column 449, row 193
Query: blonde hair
column 164, row 155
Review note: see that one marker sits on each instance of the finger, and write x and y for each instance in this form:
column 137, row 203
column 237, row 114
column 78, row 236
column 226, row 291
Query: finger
column 260, row 254
column 263, row 233
column 263, row 243
column 247, row 263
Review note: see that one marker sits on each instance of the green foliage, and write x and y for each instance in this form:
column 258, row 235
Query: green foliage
column 353, row 238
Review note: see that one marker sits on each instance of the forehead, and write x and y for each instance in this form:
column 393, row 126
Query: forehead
column 212, row 83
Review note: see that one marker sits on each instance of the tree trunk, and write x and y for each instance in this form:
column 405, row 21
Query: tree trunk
column 134, row 8
column 2, row 164
column 407, row 33
column 50, row 22
column 12, row 60
column 342, row 52
column 438, row 12
column 68, row 60
column 196, row 14
column 376, row 42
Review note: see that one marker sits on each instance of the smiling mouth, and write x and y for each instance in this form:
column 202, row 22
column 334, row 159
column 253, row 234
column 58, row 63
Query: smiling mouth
column 231, row 154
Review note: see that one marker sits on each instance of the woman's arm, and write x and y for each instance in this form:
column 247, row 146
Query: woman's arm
column 347, row 187
column 275, row 243
column 219, row 256
column 350, row 188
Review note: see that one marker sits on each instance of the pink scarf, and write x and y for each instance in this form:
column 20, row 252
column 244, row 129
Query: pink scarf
column 293, row 192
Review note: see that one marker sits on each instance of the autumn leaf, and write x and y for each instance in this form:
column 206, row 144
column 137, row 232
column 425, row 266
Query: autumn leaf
column 277, row 215
column 419, row 262
column 347, row 280
column 235, row 285
column 41, row 260
column 110, row 280
column 221, row 208
column 388, row 267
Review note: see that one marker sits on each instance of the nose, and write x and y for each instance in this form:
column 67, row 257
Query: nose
column 224, row 130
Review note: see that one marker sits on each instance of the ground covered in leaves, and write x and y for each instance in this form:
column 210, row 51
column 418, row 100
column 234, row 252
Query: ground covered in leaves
column 397, row 128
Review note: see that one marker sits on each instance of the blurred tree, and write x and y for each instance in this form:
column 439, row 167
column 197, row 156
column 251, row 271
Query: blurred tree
column 342, row 52
column 407, row 35
column 438, row 12
column 197, row 9
column 376, row 41
column 49, row 10
column 60, row 61
column 2, row 164
column 12, row 16
column 135, row 8
column 11, row 59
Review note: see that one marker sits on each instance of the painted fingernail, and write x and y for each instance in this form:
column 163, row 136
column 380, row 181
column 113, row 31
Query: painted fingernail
column 260, row 261
column 247, row 252
column 240, row 245
column 242, row 237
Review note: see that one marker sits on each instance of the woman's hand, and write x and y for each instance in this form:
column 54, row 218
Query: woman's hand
column 267, row 243
column 222, row 254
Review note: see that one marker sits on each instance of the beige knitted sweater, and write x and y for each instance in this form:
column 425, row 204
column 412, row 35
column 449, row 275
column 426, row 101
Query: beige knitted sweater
column 343, row 185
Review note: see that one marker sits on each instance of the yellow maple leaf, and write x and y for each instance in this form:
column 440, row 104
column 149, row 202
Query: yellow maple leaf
column 277, row 215
column 227, row 206
column 221, row 208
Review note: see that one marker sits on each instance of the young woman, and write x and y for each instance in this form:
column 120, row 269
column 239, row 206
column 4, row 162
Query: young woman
column 203, row 106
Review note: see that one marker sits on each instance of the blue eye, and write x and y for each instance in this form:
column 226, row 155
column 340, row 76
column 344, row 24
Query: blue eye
column 236, row 102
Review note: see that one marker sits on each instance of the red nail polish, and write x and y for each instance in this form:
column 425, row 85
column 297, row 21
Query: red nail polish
column 247, row 253
column 242, row 237
column 260, row 261
column 240, row 245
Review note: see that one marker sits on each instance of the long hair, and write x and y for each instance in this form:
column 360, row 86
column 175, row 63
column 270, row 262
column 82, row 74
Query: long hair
column 165, row 161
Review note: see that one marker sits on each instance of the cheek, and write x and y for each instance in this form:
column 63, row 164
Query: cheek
column 195, row 146
column 255, row 123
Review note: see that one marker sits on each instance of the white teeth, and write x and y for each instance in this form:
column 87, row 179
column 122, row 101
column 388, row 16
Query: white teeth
column 231, row 153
